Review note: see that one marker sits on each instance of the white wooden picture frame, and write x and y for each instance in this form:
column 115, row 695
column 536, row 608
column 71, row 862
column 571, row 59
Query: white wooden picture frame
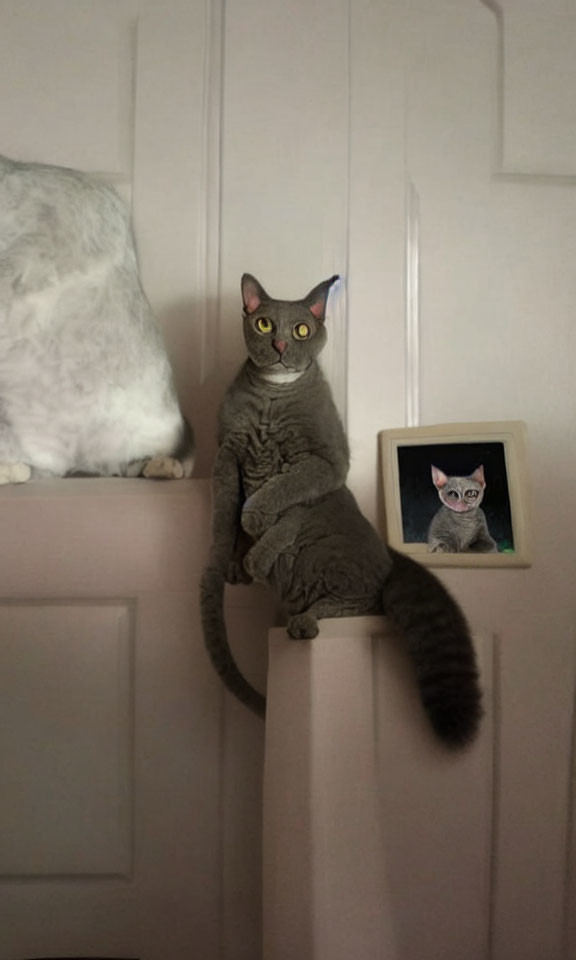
column 411, row 500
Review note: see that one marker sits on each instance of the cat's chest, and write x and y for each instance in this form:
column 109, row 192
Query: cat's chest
column 463, row 527
column 270, row 440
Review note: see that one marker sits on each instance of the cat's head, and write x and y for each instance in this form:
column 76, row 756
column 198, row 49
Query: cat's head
column 460, row 494
column 284, row 335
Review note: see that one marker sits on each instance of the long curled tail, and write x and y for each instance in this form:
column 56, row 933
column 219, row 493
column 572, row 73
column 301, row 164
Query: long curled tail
column 440, row 647
column 216, row 640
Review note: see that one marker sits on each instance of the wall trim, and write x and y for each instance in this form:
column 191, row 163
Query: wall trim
column 412, row 307
column 210, row 187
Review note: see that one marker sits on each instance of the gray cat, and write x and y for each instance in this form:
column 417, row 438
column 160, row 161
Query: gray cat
column 283, row 515
column 85, row 382
column 460, row 525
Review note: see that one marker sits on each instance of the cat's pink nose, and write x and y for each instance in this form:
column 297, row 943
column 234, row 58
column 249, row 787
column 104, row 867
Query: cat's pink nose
column 279, row 345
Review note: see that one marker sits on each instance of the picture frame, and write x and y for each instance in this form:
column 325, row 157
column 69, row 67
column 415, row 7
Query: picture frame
column 415, row 494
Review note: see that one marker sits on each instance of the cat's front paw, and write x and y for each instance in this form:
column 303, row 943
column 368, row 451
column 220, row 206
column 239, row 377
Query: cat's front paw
column 254, row 521
column 439, row 548
column 236, row 573
column 258, row 564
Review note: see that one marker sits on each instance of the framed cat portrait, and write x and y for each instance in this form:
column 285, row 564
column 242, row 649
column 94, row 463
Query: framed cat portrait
column 456, row 494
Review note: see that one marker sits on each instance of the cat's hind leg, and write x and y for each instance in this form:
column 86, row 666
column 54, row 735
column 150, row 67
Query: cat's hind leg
column 14, row 472
column 304, row 626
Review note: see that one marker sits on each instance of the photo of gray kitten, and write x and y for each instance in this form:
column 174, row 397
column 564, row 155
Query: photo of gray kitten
column 284, row 516
column 86, row 386
column 460, row 525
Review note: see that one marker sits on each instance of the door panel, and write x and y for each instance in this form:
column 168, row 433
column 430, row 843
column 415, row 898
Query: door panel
column 66, row 677
column 110, row 741
column 113, row 722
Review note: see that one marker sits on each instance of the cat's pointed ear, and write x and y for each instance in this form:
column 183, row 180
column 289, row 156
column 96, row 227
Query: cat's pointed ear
column 439, row 478
column 317, row 298
column 252, row 293
column 478, row 475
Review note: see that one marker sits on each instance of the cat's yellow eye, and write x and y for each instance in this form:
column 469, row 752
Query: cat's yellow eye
column 301, row 331
column 264, row 325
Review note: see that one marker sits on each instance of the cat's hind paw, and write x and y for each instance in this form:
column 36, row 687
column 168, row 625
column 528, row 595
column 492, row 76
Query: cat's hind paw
column 14, row 473
column 163, row 468
column 302, row 626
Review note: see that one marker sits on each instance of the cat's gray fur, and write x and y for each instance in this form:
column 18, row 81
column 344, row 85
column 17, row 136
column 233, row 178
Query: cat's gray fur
column 460, row 524
column 282, row 514
column 85, row 382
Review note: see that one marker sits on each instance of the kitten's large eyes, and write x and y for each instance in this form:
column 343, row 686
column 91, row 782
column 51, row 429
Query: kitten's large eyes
column 264, row 325
column 301, row 331
column 471, row 494
column 453, row 495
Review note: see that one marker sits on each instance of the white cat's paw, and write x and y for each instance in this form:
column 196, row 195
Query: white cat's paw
column 14, row 473
column 163, row 468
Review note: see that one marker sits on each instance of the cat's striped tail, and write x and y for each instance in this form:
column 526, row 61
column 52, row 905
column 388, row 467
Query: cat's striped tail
column 216, row 640
column 440, row 646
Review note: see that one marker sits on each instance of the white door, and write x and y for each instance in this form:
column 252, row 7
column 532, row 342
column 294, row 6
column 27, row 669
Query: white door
column 427, row 151
column 129, row 786
column 463, row 238
column 292, row 140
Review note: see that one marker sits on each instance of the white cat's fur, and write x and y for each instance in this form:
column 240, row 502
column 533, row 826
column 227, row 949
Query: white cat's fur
column 85, row 382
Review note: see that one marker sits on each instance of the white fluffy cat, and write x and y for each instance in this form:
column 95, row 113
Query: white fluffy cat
column 85, row 382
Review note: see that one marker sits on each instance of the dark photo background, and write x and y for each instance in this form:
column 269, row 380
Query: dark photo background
column 419, row 497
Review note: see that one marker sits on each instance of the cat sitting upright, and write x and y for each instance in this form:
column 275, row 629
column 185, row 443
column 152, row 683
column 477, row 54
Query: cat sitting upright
column 283, row 515
column 460, row 525
column 85, row 383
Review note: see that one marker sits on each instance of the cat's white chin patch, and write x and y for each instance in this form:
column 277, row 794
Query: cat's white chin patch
column 279, row 374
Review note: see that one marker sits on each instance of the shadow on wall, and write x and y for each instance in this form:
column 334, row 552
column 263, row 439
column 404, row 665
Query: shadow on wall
column 206, row 348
